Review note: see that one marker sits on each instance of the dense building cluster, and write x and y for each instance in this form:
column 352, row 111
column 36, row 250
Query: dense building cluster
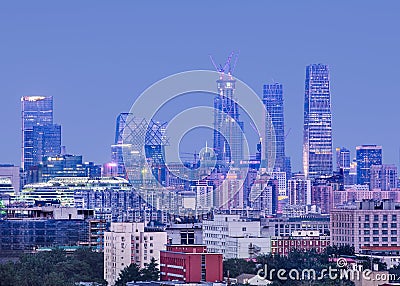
column 191, row 216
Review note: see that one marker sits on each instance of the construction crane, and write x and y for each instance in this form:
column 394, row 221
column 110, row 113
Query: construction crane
column 228, row 67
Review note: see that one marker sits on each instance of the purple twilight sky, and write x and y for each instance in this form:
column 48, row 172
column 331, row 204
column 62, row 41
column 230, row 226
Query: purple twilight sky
column 96, row 57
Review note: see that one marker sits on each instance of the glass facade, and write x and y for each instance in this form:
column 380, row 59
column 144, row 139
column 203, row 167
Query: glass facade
column 366, row 156
column 46, row 142
column 317, row 144
column 273, row 101
column 40, row 137
column 18, row 236
column 228, row 129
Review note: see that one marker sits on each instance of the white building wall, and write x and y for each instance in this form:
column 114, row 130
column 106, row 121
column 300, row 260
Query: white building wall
column 128, row 243
column 216, row 232
column 247, row 247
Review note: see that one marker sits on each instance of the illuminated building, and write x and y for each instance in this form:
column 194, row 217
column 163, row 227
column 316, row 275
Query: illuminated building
column 40, row 137
column 228, row 129
column 273, row 101
column 317, row 140
column 366, row 156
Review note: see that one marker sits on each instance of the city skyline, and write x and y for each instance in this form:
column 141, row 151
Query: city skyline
column 79, row 86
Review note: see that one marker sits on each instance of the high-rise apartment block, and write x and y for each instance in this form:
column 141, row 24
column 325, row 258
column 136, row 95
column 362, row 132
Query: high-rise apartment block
column 273, row 101
column 128, row 243
column 366, row 156
column 317, row 143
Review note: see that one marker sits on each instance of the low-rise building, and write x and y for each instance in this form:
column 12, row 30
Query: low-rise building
column 191, row 264
column 217, row 231
column 284, row 226
column 247, row 247
column 26, row 229
column 185, row 233
column 368, row 223
column 299, row 240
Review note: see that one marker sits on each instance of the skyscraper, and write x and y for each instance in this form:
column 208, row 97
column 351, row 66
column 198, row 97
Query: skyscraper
column 39, row 136
column 46, row 142
column 228, row 129
column 317, row 144
column 366, row 156
column 342, row 159
column 343, row 165
column 273, row 101
column 127, row 152
column 116, row 148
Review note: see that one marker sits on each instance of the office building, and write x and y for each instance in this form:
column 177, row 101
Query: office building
column 46, row 142
column 342, row 159
column 25, row 229
column 117, row 148
column 366, row 156
column 301, row 241
column 368, row 223
column 185, row 232
column 383, row 177
column 322, row 197
column 288, row 168
column 62, row 166
column 190, row 264
column 39, row 136
column 284, row 226
column 139, row 150
column 273, row 101
column 264, row 194
column 205, row 194
column 128, row 243
column 217, row 231
column 66, row 190
column 317, row 141
column 230, row 193
column 228, row 129
column 362, row 192
column 13, row 173
column 247, row 247
column 299, row 191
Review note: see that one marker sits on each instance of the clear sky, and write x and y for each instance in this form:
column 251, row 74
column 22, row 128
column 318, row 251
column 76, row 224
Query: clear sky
column 95, row 57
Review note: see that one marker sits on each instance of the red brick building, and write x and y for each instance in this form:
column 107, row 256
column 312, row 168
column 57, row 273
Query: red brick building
column 191, row 264
column 299, row 240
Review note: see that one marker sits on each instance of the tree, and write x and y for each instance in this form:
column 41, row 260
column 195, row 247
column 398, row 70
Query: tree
column 150, row 272
column 8, row 274
column 128, row 274
column 237, row 266
column 54, row 268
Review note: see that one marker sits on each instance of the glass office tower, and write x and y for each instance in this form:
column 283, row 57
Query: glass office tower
column 366, row 156
column 37, row 111
column 46, row 142
column 228, row 129
column 317, row 144
column 273, row 101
